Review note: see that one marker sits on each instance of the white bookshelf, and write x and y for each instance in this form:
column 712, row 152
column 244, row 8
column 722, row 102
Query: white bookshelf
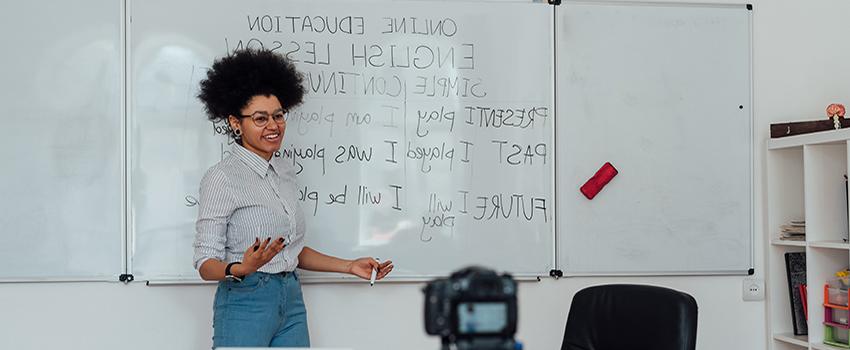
column 805, row 179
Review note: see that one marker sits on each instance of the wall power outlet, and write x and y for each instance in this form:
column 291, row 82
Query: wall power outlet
column 753, row 289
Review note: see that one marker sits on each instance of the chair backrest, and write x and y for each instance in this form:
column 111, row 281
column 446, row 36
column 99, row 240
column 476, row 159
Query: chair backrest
column 633, row 317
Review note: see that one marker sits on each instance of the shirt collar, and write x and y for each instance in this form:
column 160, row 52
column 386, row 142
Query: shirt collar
column 252, row 160
column 277, row 165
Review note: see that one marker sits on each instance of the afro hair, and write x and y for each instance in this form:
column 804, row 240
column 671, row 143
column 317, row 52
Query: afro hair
column 235, row 79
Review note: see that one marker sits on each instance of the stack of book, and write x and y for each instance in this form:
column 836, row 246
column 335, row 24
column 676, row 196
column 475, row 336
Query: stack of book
column 794, row 230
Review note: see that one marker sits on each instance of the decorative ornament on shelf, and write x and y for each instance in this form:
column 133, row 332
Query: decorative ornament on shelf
column 843, row 278
column 835, row 112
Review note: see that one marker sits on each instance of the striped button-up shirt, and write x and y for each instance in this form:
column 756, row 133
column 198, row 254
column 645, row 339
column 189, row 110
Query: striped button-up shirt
column 244, row 197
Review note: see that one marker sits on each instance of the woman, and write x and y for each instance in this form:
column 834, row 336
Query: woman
column 250, row 228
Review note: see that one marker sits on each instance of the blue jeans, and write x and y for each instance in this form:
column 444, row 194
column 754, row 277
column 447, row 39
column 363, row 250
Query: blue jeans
column 264, row 310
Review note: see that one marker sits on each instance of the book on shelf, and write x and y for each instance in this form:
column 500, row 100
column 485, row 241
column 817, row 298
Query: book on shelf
column 794, row 230
column 795, row 268
column 805, row 298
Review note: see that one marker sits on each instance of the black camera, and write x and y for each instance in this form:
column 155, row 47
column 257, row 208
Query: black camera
column 474, row 309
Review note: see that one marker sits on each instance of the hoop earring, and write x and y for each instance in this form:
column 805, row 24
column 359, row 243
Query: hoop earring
column 238, row 133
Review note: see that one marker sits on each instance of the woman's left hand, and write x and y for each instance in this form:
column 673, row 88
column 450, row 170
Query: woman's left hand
column 362, row 268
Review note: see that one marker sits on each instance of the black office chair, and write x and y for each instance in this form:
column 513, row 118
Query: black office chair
column 631, row 317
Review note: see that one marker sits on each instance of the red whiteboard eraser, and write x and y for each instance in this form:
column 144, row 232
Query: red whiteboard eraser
column 598, row 181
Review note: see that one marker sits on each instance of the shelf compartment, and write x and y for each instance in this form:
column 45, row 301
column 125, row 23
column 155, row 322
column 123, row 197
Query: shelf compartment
column 785, row 189
column 824, row 167
column 821, row 266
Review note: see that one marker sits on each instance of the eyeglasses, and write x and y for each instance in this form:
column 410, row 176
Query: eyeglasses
column 261, row 118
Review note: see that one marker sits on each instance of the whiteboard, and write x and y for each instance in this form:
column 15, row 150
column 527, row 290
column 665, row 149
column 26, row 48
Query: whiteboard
column 663, row 92
column 452, row 128
column 61, row 204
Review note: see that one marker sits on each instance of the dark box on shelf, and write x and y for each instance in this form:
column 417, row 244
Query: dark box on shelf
column 797, row 128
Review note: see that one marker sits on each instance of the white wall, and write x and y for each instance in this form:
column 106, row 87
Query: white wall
column 384, row 317
column 802, row 63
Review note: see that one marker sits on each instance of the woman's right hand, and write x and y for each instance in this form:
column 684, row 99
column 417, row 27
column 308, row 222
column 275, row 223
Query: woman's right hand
column 257, row 255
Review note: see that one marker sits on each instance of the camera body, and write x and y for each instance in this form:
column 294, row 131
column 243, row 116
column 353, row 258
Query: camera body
column 474, row 308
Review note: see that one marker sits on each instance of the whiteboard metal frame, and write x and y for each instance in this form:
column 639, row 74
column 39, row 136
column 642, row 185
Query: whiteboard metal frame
column 553, row 46
column 753, row 131
column 567, row 273
column 655, row 3
column 310, row 277
column 332, row 280
column 129, row 233
column 125, row 149
column 128, row 236
column 61, row 279
column 106, row 277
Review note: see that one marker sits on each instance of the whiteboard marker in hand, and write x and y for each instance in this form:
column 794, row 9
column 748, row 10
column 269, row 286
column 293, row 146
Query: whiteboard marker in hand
column 374, row 274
